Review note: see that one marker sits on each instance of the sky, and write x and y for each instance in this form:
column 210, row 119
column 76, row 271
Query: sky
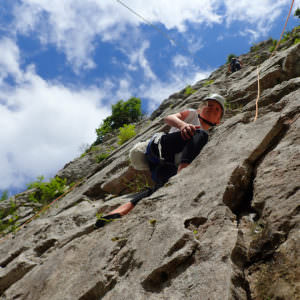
column 63, row 63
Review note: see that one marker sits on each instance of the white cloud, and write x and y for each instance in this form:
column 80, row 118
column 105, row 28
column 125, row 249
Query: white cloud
column 9, row 59
column 124, row 90
column 44, row 123
column 73, row 26
column 195, row 43
column 296, row 5
column 220, row 37
column 259, row 14
column 138, row 57
column 157, row 91
column 181, row 61
column 254, row 35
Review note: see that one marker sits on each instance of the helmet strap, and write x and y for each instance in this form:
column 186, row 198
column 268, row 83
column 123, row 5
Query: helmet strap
column 206, row 121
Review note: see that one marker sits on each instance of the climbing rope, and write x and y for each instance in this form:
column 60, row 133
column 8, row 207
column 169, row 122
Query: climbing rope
column 258, row 94
column 5, row 236
column 283, row 29
column 258, row 68
column 173, row 42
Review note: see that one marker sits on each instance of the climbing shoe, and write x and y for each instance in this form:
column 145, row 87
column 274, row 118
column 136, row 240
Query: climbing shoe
column 106, row 219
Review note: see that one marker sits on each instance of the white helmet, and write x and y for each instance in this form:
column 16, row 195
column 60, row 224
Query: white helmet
column 219, row 99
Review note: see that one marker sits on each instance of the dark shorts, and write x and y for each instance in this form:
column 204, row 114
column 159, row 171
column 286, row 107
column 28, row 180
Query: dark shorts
column 171, row 144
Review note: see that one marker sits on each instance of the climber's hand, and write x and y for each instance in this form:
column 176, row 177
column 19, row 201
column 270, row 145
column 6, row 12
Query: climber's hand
column 188, row 130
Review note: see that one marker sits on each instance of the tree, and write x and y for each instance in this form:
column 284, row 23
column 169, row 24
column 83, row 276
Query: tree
column 123, row 112
column 297, row 13
column 126, row 112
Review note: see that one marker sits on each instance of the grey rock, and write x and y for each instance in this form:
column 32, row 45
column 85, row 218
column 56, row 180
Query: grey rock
column 226, row 227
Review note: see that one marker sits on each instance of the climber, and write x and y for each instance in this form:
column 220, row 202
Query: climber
column 169, row 153
column 234, row 65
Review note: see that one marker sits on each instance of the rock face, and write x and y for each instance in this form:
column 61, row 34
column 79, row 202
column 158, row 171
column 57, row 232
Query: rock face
column 226, row 227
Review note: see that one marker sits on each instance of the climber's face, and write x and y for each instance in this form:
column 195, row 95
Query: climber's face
column 212, row 112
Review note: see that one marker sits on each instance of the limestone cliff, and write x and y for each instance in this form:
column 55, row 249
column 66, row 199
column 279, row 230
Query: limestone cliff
column 226, row 227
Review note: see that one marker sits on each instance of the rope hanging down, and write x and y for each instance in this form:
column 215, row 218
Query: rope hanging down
column 258, row 83
column 283, row 29
column 258, row 94
column 173, row 42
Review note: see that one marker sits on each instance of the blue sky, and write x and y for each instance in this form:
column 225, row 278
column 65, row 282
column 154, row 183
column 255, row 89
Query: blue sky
column 64, row 62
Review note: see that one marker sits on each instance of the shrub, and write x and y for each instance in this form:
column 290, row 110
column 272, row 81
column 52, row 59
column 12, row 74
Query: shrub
column 9, row 225
column 139, row 183
column 126, row 133
column 47, row 191
column 233, row 106
column 272, row 48
column 189, row 90
column 4, row 195
column 296, row 41
column 254, row 48
column 286, row 36
column 208, row 82
column 90, row 149
column 104, row 154
column 101, row 156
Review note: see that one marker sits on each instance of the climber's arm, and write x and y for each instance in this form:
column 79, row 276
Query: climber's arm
column 177, row 120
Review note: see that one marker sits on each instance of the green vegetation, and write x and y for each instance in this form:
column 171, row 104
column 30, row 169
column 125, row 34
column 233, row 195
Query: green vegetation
column 104, row 154
column 152, row 222
column 89, row 150
column 189, row 90
column 233, row 106
column 254, row 48
column 123, row 112
column 104, row 128
column 101, row 157
column 297, row 13
column 99, row 216
column 272, row 48
column 47, row 191
column 208, row 82
column 4, row 196
column 287, row 35
column 297, row 41
column 9, row 224
column 44, row 192
column 139, row 183
column 126, row 133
